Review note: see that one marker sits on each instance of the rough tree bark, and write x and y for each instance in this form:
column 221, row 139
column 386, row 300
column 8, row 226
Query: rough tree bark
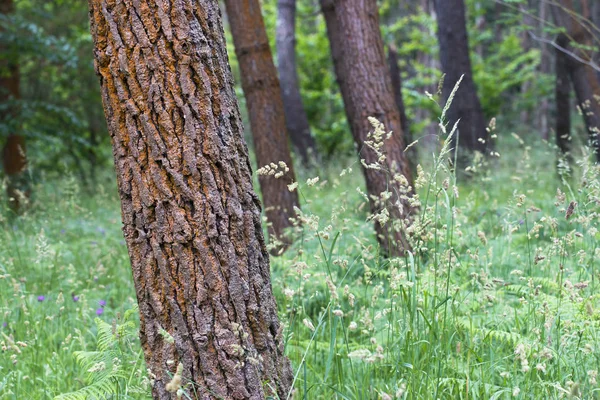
column 563, row 100
column 454, row 57
column 583, row 77
column 191, row 218
column 364, row 79
column 295, row 116
column 265, row 108
column 14, row 158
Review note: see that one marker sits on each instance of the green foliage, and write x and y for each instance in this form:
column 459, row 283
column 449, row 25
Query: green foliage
column 110, row 369
column 60, row 110
column 504, row 71
column 500, row 291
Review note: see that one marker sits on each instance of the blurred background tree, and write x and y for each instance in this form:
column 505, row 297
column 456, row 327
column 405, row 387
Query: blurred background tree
column 513, row 70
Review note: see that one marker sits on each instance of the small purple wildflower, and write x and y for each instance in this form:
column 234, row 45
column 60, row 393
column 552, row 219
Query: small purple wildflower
column 75, row 298
column 4, row 324
column 100, row 311
column 102, row 303
column 41, row 298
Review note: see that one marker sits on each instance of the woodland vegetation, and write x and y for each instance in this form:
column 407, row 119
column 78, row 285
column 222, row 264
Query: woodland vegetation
column 299, row 199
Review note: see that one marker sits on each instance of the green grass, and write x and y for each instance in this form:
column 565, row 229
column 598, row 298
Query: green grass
column 499, row 299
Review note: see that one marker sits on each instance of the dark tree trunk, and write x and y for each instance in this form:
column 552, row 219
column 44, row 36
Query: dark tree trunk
column 397, row 89
column 454, row 57
column 14, row 158
column 528, row 23
column 430, row 64
column 295, row 116
column 541, row 115
column 583, row 77
column 596, row 21
column 265, row 108
column 563, row 101
column 191, row 218
column 364, row 79
column 396, row 76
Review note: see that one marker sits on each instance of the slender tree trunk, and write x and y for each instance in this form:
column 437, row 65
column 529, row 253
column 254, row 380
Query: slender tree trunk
column 396, row 78
column 563, row 101
column 454, row 56
column 595, row 10
column 583, row 77
column 14, row 158
column 295, row 116
column 541, row 115
column 190, row 216
column 265, row 107
column 526, row 44
column 364, row 79
column 430, row 64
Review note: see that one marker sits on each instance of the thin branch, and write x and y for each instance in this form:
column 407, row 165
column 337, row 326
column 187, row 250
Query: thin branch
column 570, row 53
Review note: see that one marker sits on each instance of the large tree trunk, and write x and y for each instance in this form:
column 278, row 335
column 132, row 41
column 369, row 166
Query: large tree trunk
column 364, row 79
column 14, row 159
column 265, row 107
column 454, row 57
column 583, row 76
column 295, row 116
column 563, row 101
column 190, row 216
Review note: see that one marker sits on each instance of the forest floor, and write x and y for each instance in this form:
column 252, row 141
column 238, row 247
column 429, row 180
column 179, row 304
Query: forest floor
column 499, row 298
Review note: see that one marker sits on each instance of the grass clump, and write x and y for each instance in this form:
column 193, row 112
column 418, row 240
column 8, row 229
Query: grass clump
column 498, row 298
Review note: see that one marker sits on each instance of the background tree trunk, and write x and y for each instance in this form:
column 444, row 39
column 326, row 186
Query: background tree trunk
column 14, row 158
column 454, row 57
column 295, row 116
column 584, row 78
column 541, row 112
column 396, row 78
column 190, row 216
column 563, row 100
column 265, row 107
column 430, row 64
column 364, row 79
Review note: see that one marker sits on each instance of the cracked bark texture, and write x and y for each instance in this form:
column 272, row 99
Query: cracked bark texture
column 454, row 57
column 14, row 160
column 295, row 116
column 191, row 218
column 584, row 77
column 265, row 108
column 364, row 79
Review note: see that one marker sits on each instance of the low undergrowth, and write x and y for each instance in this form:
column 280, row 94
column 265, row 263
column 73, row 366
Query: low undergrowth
column 498, row 299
